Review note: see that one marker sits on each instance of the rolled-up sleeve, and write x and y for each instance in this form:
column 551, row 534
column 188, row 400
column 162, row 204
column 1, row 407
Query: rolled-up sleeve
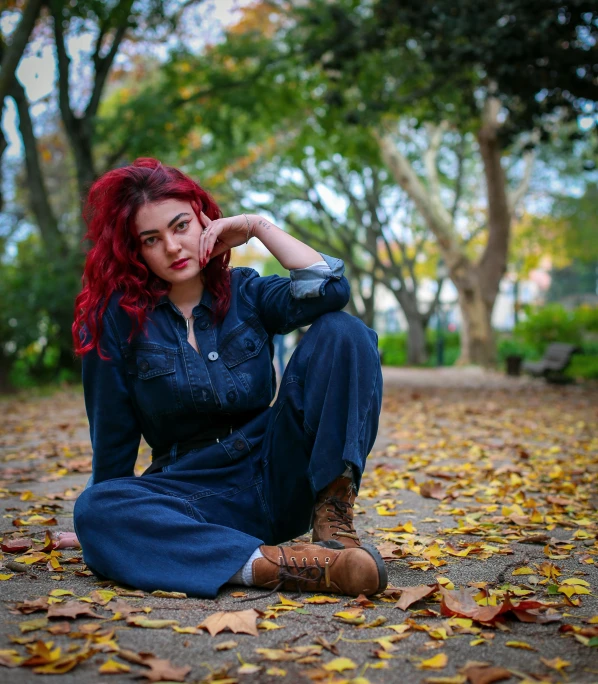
column 311, row 281
column 113, row 425
column 285, row 304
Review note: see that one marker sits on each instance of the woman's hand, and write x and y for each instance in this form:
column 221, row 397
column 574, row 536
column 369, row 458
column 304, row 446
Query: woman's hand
column 221, row 235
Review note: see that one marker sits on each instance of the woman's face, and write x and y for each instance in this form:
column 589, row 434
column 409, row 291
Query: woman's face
column 169, row 232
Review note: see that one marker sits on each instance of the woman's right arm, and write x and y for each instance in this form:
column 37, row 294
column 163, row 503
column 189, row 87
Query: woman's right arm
column 113, row 426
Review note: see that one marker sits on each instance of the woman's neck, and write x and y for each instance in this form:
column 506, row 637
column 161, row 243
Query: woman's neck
column 186, row 296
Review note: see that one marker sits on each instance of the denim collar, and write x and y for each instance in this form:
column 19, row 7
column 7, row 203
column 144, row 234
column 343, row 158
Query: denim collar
column 206, row 299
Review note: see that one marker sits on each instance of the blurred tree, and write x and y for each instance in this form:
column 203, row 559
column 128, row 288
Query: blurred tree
column 505, row 72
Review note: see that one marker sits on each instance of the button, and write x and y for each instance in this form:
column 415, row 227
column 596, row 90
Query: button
column 204, row 324
column 231, row 396
column 213, row 356
column 144, row 366
column 239, row 445
column 250, row 345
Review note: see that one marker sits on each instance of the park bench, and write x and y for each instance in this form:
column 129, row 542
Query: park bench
column 554, row 362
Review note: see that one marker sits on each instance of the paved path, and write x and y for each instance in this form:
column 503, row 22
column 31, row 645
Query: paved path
column 484, row 439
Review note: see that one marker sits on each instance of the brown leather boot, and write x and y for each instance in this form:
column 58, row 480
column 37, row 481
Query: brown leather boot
column 316, row 568
column 333, row 515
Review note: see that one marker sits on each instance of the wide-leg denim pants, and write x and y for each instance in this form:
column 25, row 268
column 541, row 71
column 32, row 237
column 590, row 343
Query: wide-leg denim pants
column 193, row 525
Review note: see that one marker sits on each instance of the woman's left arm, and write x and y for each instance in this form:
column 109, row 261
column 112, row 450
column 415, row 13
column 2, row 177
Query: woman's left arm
column 290, row 252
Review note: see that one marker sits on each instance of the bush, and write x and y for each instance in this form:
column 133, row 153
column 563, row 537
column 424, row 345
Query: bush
column 550, row 323
column 394, row 347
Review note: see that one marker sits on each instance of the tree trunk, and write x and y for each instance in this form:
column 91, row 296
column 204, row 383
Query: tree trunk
column 417, row 354
column 477, row 336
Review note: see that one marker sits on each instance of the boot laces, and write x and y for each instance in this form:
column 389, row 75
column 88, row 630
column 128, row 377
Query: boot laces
column 302, row 574
column 340, row 514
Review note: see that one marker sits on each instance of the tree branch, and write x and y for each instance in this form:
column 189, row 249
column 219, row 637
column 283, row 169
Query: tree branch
column 12, row 53
column 521, row 190
column 431, row 156
column 436, row 216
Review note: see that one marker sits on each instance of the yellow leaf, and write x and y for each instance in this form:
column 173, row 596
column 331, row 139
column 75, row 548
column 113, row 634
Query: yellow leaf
column 382, row 510
column 248, row 668
column 576, row 582
column 6, row 577
column 60, row 592
column 169, row 594
column 520, row 644
column 439, row 661
column 399, row 629
column 268, row 624
column 477, row 642
column 276, row 672
column 321, row 598
column 523, row 571
column 339, row 665
column 187, row 630
column 113, row 667
column 140, row 621
column 289, row 602
column 556, row 663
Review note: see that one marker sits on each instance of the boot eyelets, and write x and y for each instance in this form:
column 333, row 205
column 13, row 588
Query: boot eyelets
column 326, row 560
column 293, row 558
column 304, row 559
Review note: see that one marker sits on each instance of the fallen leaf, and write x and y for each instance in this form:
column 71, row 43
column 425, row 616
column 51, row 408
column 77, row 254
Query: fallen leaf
column 141, row 621
column 238, row 621
column 340, row 665
column 113, row 667
column 486, row 674
column 169, row 594
column 520, row 644
column 164, row 671
column 410, row 595
column 437, row 662
column 71, row 609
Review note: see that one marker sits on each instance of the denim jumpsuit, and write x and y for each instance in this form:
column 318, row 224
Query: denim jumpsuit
column 191, row 525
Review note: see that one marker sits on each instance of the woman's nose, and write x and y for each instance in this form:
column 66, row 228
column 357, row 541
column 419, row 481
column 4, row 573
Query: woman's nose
column 172, row 244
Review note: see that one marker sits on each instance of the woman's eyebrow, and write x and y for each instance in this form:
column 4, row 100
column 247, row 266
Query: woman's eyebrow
column 172, row 222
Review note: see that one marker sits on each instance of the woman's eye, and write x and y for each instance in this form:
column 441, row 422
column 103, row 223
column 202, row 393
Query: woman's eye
column 148, row 243
column 184, row 224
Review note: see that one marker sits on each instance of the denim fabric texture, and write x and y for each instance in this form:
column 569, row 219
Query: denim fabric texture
column 191, row 526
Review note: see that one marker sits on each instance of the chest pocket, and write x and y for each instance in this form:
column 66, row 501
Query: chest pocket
column 243, row 343
column 242, row 351
column 152, row 371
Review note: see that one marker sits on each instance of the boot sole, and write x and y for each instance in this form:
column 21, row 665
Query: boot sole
column 374, row 553
column 380, row 564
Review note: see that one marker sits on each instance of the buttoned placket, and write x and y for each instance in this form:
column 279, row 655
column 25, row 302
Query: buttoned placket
column 189, row 353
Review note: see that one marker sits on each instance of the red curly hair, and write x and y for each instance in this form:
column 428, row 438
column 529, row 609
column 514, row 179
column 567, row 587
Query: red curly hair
column 114, row 262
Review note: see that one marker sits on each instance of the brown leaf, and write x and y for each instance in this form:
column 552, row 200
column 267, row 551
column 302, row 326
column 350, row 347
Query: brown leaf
column 123, row 607
column 327, row 645
column 237, row 621
column 410, row 595
column 60, row 628
column 16, row 545
column 164, row 671
column 486, row 675
column 461, row 602
column 71, row 609
column 33, row 606
column 432, row 490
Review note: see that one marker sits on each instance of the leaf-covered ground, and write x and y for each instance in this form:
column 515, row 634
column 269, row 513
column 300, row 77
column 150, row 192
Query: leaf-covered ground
column 481, row 493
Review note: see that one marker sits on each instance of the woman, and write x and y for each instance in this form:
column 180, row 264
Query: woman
column 178, row 348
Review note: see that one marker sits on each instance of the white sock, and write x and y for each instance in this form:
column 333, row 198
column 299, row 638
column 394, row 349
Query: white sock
column 244, row 576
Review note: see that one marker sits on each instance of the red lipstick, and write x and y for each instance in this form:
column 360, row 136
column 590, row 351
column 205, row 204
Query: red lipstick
column 181, row 263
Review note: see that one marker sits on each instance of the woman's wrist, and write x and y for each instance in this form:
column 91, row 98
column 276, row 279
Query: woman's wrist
column 259, row 226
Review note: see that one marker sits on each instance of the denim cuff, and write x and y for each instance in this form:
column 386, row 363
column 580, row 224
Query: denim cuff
column 311, row 281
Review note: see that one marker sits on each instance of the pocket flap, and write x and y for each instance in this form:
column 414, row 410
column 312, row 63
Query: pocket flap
column 147, row 364
column 244, row 342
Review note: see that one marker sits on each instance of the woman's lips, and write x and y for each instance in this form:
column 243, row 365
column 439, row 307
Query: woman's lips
column 179, row 264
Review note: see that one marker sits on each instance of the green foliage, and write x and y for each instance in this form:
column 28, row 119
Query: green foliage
column 554, row 323
column 394, row 348
column 37, row 295
column 546, row 324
